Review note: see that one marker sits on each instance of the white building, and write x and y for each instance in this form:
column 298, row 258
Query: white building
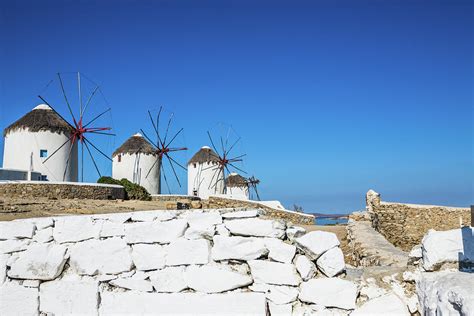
column 137, row 161
column 35, row 137
column 237, row 186
column 205, row 177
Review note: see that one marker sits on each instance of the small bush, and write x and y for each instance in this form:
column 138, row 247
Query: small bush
column 132, row 191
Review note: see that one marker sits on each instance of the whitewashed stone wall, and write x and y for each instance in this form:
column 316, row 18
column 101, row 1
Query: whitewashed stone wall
column 221, row 262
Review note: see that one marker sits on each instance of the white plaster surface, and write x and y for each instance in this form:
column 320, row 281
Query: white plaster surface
column 274, row 272
column 114, row 303
column 183, row 251
column 329, row 292
column 40, row 262
column 256, row 227
column 108, row 256
column 238, row 248
column 316, row 243
column 66, row 297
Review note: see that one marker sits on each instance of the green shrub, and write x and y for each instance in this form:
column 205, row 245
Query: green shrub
column 132, row 191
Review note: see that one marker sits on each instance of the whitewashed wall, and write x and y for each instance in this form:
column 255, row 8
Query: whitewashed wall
column 200, row 176
column 20, row 144
column 135, row 167
column 238, row 192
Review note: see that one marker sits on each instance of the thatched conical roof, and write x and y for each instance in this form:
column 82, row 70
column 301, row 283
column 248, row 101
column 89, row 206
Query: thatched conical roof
column 235, row 180
column 135, row 144
column 41, row 118
column 205, row 154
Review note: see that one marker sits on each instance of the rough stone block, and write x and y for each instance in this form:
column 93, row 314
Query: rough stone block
column 256, row 227
column 18, row 300
column 274, row 273
column 215, row 279
column 184, row 252
column 238, row 248
column 315, row 243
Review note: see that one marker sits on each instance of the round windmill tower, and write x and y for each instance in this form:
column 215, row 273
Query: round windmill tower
column 237, row 186
column 133, row 159
column 202, row 177
column 35, row 138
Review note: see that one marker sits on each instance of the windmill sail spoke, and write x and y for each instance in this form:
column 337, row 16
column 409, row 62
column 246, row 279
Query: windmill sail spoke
column 154, row 127
column 92, row 157
column 167, row 128
column 79, row 90
column 100, row 151
column 65, row 98
column 54, row 152
column 222, row 145
column 169, row 157
column 238, row 157
column 166, row 180
column 102, row 133
column 149, row 139
column 174, row 171
column 151, row 168
column 212, row 143
column 69, row 157
column 233, row 145
column 95, row 118
column 218, row 170
column 237, row 168
column 89, row 100
column 169, row 143
column 48, row 104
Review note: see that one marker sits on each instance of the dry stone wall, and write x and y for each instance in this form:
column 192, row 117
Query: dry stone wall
column 170, row 262
column 58, row 190
column 290, row 216
column 404, row 225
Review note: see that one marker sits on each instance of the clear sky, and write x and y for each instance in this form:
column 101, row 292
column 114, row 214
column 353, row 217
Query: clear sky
column 331, row 98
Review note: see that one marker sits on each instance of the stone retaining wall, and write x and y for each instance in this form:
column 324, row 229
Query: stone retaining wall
column 170, row 262
column 290, row 216
column 61, row 190
column 404, row 225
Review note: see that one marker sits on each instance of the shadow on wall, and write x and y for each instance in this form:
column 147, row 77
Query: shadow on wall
column 466, row 258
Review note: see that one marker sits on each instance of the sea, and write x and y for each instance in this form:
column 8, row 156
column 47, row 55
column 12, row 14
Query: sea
column 330, row 221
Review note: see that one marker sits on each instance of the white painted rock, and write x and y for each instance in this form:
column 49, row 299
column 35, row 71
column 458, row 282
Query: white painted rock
column 108, row 256
column 274, row 272
column 43, row 222
column 388, row 304
column 199, row 232
column 282, row 294
column 31, row 283
column 183, row 251
column 137, row 303
column 446, row 293
column 280, row 310
column 40, row 262
column 305, row 267
column 112, row 229
column 447, row 247
column 240, row 214
column 238, row 248
column 148, row 257
column 75, row 228
column 329, row 292
column 416, row 252
column 294, row 232
column 155, row 232
column 16, row 229
column 3, row 267
column 168, row 279
column 279, row 250
column 256, row 227
column 13, row 245
column 66, row 297
column 205, row 219
column 222, row 231
column 44, row 235
column 143, row 216
column 215, row 279
column 135, row 284
column 316, row 243
column 331, row 262
column 18, row 300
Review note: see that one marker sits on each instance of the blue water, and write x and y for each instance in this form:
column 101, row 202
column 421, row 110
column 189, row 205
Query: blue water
column 330, row 221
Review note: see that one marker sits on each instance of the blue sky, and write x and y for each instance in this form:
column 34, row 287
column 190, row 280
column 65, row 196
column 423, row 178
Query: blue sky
column 331, row 98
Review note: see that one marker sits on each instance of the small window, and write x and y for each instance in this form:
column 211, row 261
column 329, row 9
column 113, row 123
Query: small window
column 44, row 178
column 43, row 153
column 119, row 157
column 194, row 165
